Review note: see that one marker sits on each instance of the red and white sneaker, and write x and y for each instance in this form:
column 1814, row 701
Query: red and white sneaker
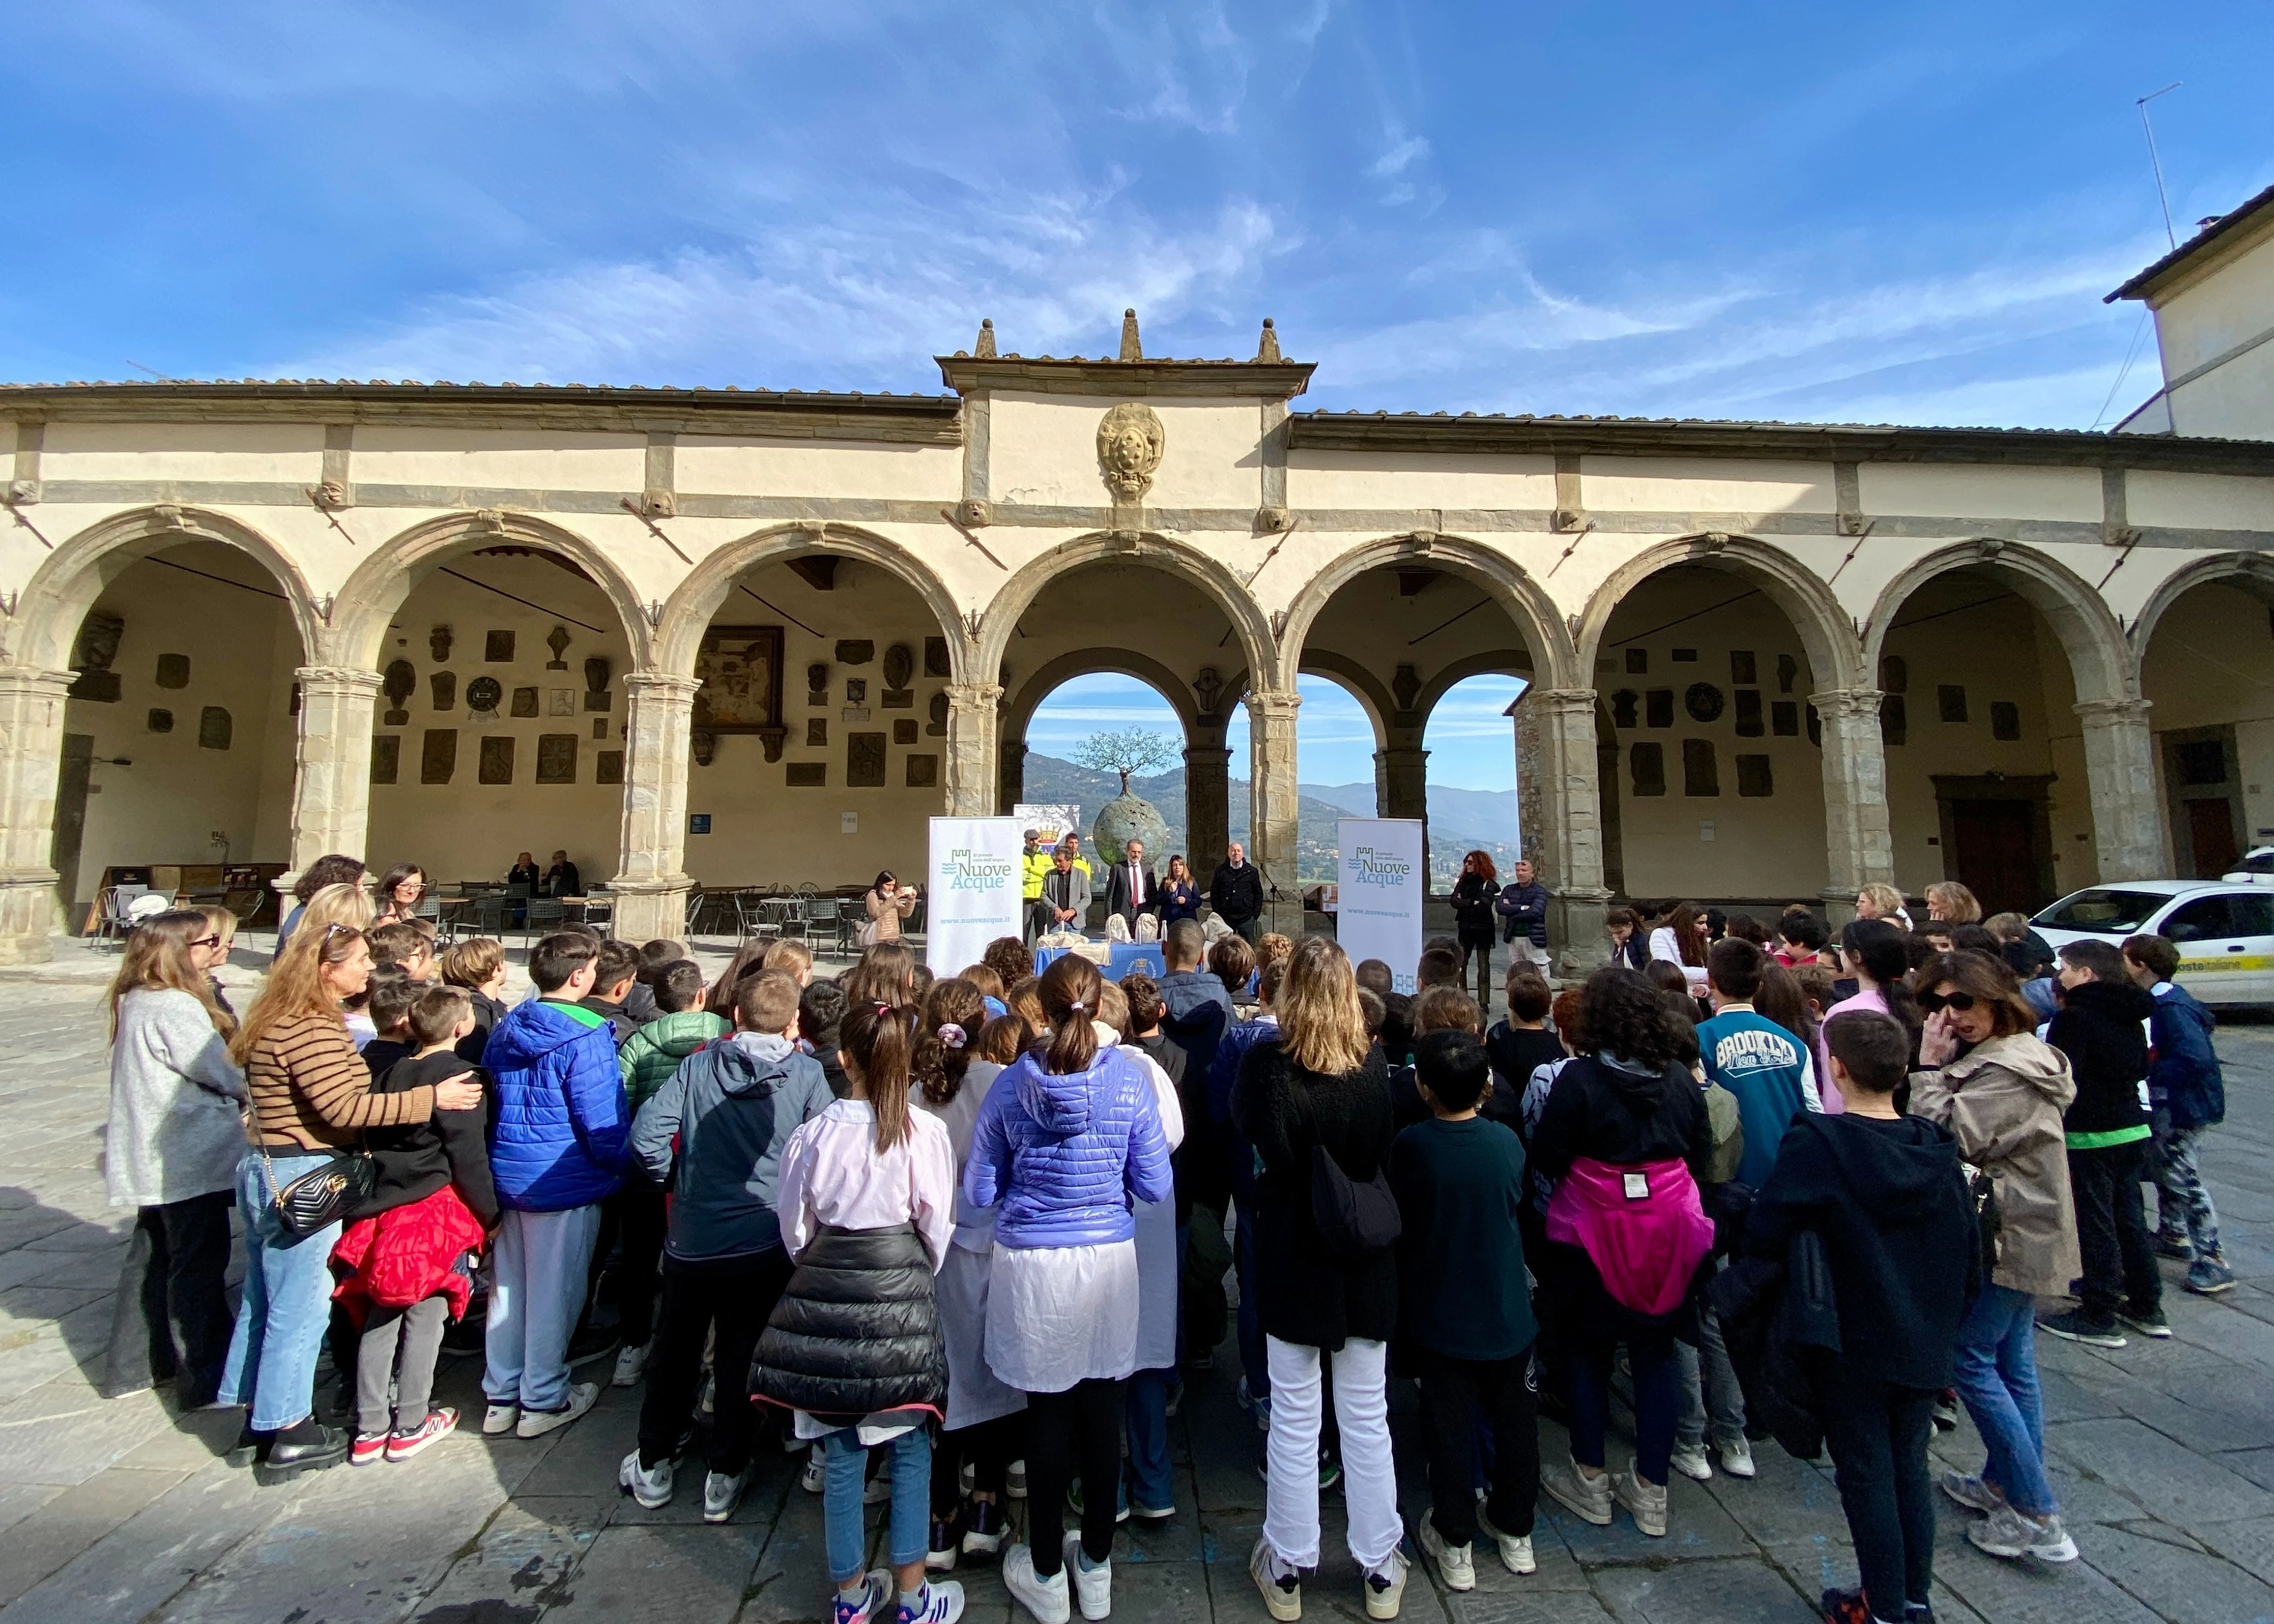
column 441, row 1421
column 368, row 1449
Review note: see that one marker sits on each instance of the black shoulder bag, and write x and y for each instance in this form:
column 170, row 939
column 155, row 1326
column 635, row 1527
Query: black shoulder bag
column 323, row 1196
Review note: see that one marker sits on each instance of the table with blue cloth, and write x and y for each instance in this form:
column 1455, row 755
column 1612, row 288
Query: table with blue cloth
column 1123, row 958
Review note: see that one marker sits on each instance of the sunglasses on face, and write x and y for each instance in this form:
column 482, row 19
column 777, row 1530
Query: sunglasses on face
column 1959, row 1002
column 207, row 942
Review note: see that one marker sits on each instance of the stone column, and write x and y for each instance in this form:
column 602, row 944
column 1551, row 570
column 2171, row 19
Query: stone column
column 973, row 775
column 1011, row 765
column 30, row 751
column 1566, row 827
column 1401, row 777
column 2119, row 767
column 1858, row 850
column 651, row 882
column 1271, row 805
column 331, row 765
column 1207, row 802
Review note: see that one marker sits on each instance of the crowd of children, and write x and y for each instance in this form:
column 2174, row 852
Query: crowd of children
column 956, row 1237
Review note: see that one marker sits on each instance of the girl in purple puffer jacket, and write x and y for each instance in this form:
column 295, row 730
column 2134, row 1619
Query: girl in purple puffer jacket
column 1069, row 1137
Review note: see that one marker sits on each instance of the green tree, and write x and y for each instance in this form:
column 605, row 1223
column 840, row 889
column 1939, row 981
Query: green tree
column 1133, row 750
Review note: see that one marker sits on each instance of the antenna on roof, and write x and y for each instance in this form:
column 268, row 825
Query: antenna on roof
column 153, row 370
column 2155, row 163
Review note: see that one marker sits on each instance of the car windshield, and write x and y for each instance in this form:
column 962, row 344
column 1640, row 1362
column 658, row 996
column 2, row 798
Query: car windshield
column 2103, row 912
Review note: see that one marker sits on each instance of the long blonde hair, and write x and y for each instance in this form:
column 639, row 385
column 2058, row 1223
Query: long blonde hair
column 157, row 959
column 294, row 986
column 1322, row 1026
column 336, row 905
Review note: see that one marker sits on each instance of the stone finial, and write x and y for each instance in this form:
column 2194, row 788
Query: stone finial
column 1130, row 349
column 1266, row 347
column 984, row 348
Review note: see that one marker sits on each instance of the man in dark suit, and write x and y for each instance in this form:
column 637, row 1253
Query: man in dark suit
column 1130, row 889
column 1236, row 893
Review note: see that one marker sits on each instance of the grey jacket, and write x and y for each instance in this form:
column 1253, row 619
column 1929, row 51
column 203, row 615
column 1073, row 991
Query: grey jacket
column 2003, row 1101
column 177, row 1126
column 1069, row 890
column 732, row 1105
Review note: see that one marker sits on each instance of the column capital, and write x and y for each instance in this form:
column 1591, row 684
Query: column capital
column 1196, row 754
column 666, row 685
column 36, row 679
column 337, row 678
column 1402, row 754
column 1559, row 698
column 974, row 696
column 1848, row 701
column 1272, row 704
column 1599, row 895
column 2112, row 712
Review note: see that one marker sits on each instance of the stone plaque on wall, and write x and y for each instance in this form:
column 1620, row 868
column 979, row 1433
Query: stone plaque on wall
column 562, row 700
column 855, row 651
column 1701, row 775
column 1784, row 719
column 904, row 731
column 599, row 727
column 525, row 701
column 808, row 774
column 556, row 759
column 215, row 729
column 497, row 648
column 445, row 689
column 599, row 699
column 607, row 767
column 864, row 761
column 386, row 757
column 1749, row 712
column 2004, row 720
column 160, row 721
column 899, row 699
column 438, row 755
column 817, row 731
column 1658, row 707
column 497, row 760
column 173, row 671
column 936, row 657
column 1646, row 762
column 923, row 772
column 1754, row 777
column 1741, row 666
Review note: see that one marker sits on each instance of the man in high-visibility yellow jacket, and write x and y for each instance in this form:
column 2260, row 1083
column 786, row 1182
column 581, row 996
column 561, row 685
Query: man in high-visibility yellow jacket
column 1036, row 864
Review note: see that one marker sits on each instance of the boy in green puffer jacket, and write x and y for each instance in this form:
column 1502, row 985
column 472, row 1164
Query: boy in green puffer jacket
column 648, row 1059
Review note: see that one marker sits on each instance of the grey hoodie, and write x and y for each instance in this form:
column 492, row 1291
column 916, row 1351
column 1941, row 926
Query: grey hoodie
column 732, row 1105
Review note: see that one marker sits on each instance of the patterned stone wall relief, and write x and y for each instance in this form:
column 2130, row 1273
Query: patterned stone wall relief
column 556, row 759
column 497, row 760
column 438, row 755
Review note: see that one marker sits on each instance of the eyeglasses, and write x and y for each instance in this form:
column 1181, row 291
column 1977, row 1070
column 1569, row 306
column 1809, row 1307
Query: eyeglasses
column 213, row 941
column 1959, row 1002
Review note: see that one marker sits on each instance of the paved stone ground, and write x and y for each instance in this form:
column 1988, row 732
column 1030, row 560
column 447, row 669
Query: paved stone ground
column 2163, row 1456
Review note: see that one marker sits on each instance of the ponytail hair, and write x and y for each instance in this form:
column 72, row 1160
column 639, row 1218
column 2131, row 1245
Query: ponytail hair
column 954, row 1012
column 875, row 1038
column 1877, row 945
column 1069, row 994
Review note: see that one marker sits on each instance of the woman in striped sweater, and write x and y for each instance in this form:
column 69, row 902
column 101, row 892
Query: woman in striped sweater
column 311, row 1098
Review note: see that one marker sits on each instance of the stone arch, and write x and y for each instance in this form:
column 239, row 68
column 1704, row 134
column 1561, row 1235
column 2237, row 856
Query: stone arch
column 70, row 579
column 385, row 579
column 1496, row 662
column 1019, row 709
column 1011, row 599
column 1505, row 580
column 1827, row 633
column 2249, row 572
column 1361, row 684
column 679, row 633
column 2101, row 663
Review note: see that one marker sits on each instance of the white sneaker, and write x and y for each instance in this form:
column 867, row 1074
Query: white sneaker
column 2012, row 1534
column 1094, row 1589
column 1014, row 1480
column 1046, row 1599
column 1282, row 1598
column 498, row 1419
column 1515, row 1549
column 1736, row 1457
column 1691, row 1461
column 722, row 1492
column 1385, row 1591
column 632, row 1363
column 1588, row 1499
column 1455, row 1564
column 537, row 1423
column 651, row 1485
column 1645, row 1501
column 811, row 1479
column 941, row 1602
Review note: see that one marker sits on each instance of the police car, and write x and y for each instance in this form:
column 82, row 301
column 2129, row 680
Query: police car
column 2223, row 930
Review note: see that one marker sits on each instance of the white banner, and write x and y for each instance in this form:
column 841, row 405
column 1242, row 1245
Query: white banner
column 1379, row 889
column 1053, row 824
column 974, row 886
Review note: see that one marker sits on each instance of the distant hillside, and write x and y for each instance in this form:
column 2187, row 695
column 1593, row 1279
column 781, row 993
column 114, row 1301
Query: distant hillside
column 1460, row 819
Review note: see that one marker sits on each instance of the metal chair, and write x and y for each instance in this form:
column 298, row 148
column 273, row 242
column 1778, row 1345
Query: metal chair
column 600, row 905
column 110, row 915
column 545, row 915
column 750, row 916
column 696, row 896
column 430, row 909
column 791, row 918
column 824, row 921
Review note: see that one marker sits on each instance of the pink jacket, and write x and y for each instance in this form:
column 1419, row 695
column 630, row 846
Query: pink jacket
column 1644, row 1247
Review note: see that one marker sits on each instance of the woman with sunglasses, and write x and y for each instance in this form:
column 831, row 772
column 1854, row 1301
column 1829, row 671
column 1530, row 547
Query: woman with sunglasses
column 1873, row 952
column 174, row 1143
column 1986, row 1077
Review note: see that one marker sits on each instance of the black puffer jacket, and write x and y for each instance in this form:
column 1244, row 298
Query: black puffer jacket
column 856, row 1330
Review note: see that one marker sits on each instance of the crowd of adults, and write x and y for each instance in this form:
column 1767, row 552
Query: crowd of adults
column 962, row 1239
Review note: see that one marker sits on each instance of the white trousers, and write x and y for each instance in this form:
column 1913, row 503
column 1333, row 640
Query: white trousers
column 537, row 1294
column 1524, row 951
column 1290, row 1500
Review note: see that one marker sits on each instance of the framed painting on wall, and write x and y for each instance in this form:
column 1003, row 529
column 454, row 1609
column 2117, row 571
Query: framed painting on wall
column 741, row 670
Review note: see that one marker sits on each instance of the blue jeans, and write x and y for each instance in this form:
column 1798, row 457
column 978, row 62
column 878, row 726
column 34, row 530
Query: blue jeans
column 1253, row 1361
column 1995, row 1368
column 1152, row 1482
column 845, row 1464
column 271, row 1368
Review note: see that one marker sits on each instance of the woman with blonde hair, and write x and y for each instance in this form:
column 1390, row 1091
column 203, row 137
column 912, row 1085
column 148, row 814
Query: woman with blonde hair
column 175, row 1140
column 347, row 905
column 1321, row 1087
column 310, row 1097
column 1953, row 903
column 1880, row 901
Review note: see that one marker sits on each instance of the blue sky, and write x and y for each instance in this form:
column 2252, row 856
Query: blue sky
column 1901, row 212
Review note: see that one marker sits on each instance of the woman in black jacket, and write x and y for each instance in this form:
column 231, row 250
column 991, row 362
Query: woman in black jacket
column 1321, row 1087
column 1473, row 920
column 1628, row 1101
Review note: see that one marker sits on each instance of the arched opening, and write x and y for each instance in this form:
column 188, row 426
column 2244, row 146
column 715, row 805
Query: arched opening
column 1338, row 738
column 1472, row 741
column 2209, row 672
column 1719, row 781
column 1986, row 777
column 500, row 724
column 177, row 752
column 1067, row 759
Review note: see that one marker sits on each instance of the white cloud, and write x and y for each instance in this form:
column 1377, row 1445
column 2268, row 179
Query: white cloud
column 1401, row 152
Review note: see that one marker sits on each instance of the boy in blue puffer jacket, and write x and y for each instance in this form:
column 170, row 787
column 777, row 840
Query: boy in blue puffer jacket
column 559, row 1146
column 2187, row 1096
